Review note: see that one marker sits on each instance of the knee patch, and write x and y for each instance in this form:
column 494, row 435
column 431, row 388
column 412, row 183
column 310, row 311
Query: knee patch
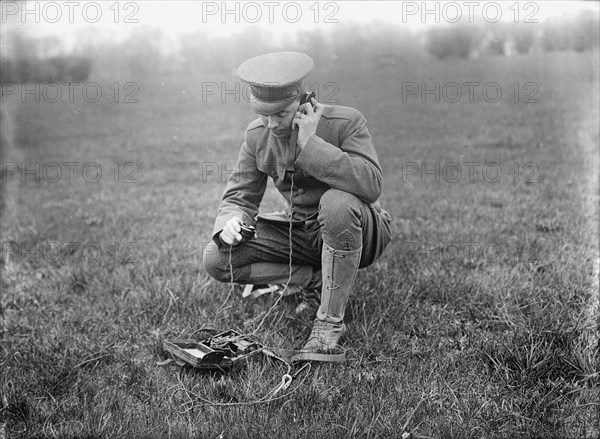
column 214, row 263
column 340, row 217
column 337, row 202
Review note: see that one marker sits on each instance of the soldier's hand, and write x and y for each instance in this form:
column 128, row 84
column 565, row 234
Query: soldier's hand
column 231, row 232
column 307, row 123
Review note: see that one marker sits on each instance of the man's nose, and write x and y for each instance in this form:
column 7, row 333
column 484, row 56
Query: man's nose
column 272, row 123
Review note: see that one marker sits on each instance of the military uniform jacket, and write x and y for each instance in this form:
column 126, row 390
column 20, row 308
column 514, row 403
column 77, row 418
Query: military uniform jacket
column 340, row 155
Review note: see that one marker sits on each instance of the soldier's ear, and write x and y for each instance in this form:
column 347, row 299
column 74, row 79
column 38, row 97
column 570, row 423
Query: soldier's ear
column 293, row 107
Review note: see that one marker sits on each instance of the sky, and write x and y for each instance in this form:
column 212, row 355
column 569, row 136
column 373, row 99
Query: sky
column 64, row 18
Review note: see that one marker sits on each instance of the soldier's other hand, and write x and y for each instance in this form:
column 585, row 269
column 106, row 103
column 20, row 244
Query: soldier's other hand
column 307, row 123
column 231, row 232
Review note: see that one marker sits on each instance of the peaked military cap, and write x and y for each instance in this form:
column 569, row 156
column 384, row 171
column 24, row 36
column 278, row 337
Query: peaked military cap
column 275, row 79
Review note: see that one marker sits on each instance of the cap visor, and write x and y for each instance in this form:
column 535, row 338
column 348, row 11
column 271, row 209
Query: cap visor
column 267, row 108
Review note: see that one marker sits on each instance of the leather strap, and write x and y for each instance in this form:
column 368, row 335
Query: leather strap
column 290, row 156
column 291, row 152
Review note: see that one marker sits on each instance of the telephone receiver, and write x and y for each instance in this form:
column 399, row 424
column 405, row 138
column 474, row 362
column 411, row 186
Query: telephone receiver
column 308, row 95
column 291, row 153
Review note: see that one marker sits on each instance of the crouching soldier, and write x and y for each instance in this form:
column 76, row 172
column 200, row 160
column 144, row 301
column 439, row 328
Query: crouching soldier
column 322, row 160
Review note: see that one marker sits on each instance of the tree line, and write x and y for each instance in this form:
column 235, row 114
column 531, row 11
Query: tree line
column 356, row 46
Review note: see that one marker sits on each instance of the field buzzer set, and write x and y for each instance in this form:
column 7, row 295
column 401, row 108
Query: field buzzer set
column 219, row 352
column 227, row 349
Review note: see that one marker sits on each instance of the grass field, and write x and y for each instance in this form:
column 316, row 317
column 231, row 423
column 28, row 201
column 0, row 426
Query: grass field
column 479, row 321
